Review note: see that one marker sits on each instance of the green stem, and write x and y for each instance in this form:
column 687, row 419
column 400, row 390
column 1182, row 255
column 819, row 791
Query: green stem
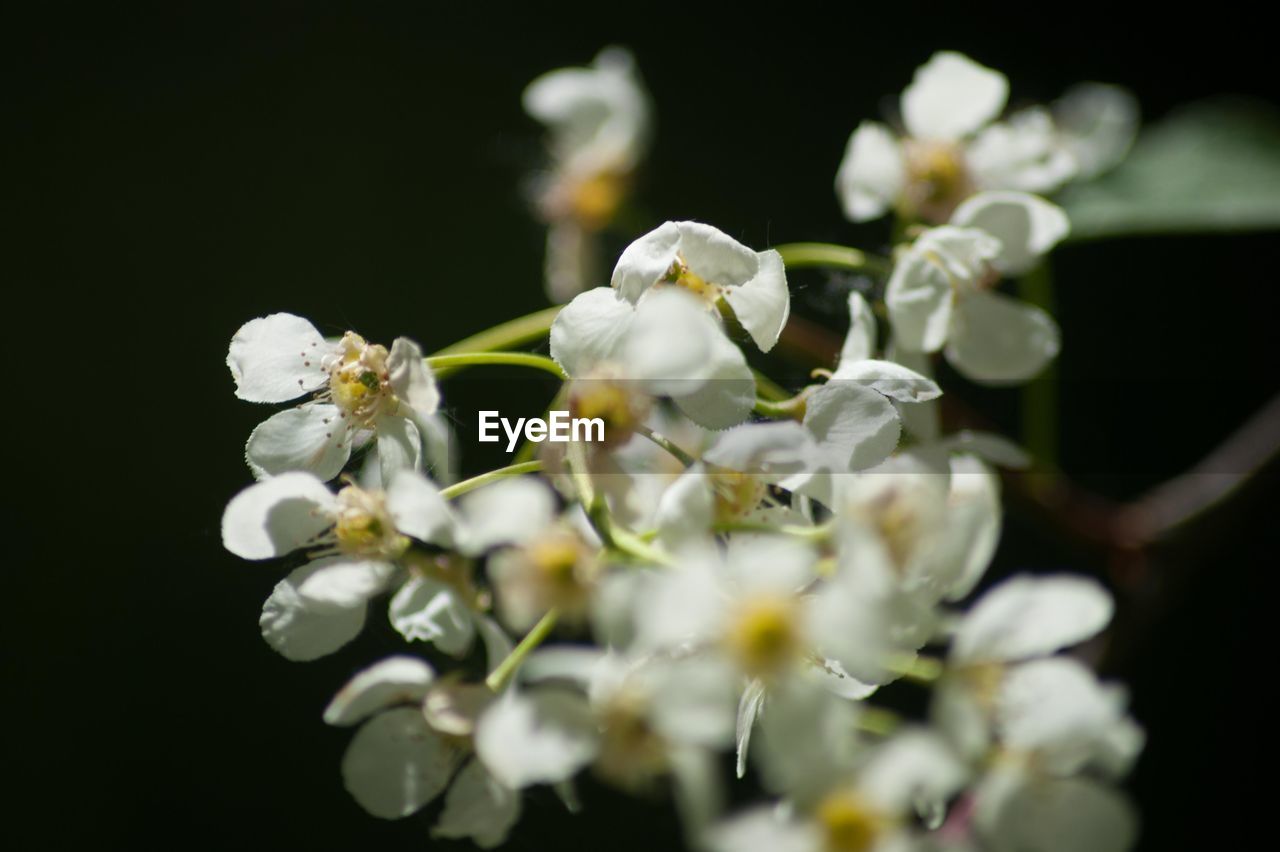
column 460, row 488
column 502, row 672
column 788, row 409
column 800, row 255
column 443, row 365
column 767, row 388
column 507, row 335
column 918, row 668
column 667, row 444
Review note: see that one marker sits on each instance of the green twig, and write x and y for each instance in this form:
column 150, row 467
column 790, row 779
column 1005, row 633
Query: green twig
column 502, row 672
column 460, row 488
column 443, row 365
column 507, row 335
column 800, row 255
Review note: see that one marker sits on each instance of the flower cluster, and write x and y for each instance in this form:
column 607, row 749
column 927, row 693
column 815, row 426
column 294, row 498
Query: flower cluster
column 734, row 567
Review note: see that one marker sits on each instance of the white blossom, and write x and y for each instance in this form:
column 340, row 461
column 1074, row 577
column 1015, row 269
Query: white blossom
column 361, row 392
column 951, row 147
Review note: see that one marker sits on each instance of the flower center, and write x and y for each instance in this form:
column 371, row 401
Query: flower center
column 596, row 199
column 764, row 635
column 602, row 394
column 632, row 753
column 682, row 276
column 358, row 379
column 736, row 494
column 848, row 824
column 937, row 180
column 364, row 527
column 563, row 568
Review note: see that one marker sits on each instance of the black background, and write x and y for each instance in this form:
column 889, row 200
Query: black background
column 176, row 169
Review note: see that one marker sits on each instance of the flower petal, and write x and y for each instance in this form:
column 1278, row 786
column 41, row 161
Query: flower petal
column 478, row 807
column 277, row 358
column 417, row 509
column 411, row 378
column 537, row 737
column 1024, row 153
column 893, row 380
column 998, row 339
column 860, row 342
column 952, row 96
column 1030, row 616
column 919, row 299
column 395, row 680
column 345, row 582
column 273, row 517
column 855, row 427
column 312, row 438
column 1026, row 225
column 426, row 610
column 299, row 629
column 399, row 446
column 872, row 174
column 762, row 303
column 511, row 511
column 395, row 764
column 1097, row 124
column 646, row 261
column 589, row 330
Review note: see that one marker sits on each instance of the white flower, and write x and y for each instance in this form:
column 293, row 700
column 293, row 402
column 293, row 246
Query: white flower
column 666, row 345
column 941, row 291
column 633, row 721
column 1053, row 721
column 711, row 265
column 356, row 538
column 361, row 390
column 951, row 148
column 869, row 809
column 599, row 122
column 414, row 741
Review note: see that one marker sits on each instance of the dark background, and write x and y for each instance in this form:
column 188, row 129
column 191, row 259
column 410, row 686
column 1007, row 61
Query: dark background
column 174, row 172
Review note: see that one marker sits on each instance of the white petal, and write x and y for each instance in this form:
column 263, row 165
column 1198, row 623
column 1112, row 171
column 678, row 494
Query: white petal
column 301, row 630
column 761, row 829
column 311, row 438
column 749, row 705
column 998, row 339
column 911, row 766
column 855, row 427
column 399, row 446
column 726, row 398
column 833, row 678
column 589, row 330
column 672, row 343
column 951, row 96
column 428, row 611
column 694, row 700
column 411, row 378
column 511, row 511
column 1067, row 815
column 893, row 380
column 762, row 303
column 872, row 173
column 1026, row 225
column 497, row 644
column 769, row 449
column 860, row 342
column 1030, row 616
column 395, row 680
column 535, row 738
column 571, row 260
column 277, row 358
column 646, row 261
column 417, row 509
column 919, row 298
column 1097, row 124
column 1024, row 153
column 990, row 447
column 687, row 508
column 345, row 582
column 276, row 516
column 478, row 807
column 973, row 522
column 396, row 764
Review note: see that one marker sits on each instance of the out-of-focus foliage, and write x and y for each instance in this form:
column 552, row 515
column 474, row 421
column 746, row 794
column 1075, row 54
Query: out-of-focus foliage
column 1210, row 166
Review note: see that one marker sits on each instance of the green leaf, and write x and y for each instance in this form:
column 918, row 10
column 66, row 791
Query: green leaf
column 1211, row 166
